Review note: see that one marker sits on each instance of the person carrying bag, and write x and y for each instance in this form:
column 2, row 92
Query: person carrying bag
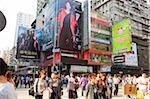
column 40, row 85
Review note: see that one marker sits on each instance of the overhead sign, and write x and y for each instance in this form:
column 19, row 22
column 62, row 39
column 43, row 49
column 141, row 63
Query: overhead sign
column 121, row 37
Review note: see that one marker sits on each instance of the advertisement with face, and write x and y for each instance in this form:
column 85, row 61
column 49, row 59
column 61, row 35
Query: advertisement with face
column 27, row 44
column 62, row 27
column 121, row 37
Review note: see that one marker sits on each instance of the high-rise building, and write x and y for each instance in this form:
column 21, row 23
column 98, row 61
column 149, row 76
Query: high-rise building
column 24, row 20
column 6, row 55
column 137, row 12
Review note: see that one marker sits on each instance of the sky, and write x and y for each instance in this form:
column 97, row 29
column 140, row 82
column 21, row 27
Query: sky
column 10, row 8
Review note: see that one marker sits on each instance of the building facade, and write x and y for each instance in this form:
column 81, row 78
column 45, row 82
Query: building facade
column 96, row 40
column 7, row 56
column 136, row 11
column 91, row 47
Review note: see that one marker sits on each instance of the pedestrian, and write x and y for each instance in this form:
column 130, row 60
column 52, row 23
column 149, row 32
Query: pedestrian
column 83, row 83
column 31, row 81
column 90, row 94
column 7, row 90
column 142, row 83
column 22, row 81
column 55, row 86
column 110, row 83
column 9, row 78
column 72, row 86
column 104, row 87
column 40, row 85
column 116, row 84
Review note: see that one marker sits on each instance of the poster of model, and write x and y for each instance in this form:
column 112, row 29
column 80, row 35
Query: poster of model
column 62, row 24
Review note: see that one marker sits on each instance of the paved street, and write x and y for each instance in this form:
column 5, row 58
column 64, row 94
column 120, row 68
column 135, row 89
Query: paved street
column 23, row 94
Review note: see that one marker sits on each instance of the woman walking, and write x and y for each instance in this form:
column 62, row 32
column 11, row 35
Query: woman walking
column 40, row 85
column 55, row 86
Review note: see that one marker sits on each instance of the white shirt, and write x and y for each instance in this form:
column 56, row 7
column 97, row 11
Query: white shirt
column 142, row 80
column 7, row 91
column 116, row 80
column 40, row 84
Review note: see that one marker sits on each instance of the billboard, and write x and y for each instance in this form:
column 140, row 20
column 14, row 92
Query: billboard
column 39, row 27
column 128, row 59
column 121, row 37
column 131, row 59
column 63, row 24
column 27, row 44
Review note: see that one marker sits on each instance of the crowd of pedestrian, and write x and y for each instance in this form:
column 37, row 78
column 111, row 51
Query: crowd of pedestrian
column 94, row 86
column 23, row 81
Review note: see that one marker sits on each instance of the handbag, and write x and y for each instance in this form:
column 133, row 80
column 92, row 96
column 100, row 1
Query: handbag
column 31, row 91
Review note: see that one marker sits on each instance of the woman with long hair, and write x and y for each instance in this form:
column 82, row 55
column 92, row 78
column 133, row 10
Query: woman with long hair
column 55, row 86
column 40, row 85
column 66, row 32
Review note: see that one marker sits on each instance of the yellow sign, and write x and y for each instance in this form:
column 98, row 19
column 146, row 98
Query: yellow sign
column 129, row 89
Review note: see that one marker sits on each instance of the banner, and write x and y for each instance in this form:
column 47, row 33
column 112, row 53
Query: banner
column 63, row 25
column 27, row 44
column 131, row 59
column 128, row 59
column 121, row 37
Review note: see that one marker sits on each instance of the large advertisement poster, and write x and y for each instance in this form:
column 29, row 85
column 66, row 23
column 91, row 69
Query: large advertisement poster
column 27, row 44
column 39, row 27
column 63, row 24
column 121, row 37
column 128, row 59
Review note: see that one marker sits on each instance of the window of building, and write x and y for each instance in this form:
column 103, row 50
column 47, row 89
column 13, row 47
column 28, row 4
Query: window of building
column 99, row 35
column 100, row 47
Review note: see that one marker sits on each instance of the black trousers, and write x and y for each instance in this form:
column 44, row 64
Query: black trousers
column 39, row 97
column 116, row 90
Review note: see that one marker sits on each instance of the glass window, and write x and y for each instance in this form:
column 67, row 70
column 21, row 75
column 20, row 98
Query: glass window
column 100, row 47
column 99, row 35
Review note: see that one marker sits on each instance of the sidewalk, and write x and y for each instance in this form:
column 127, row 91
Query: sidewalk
column 22, row 93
